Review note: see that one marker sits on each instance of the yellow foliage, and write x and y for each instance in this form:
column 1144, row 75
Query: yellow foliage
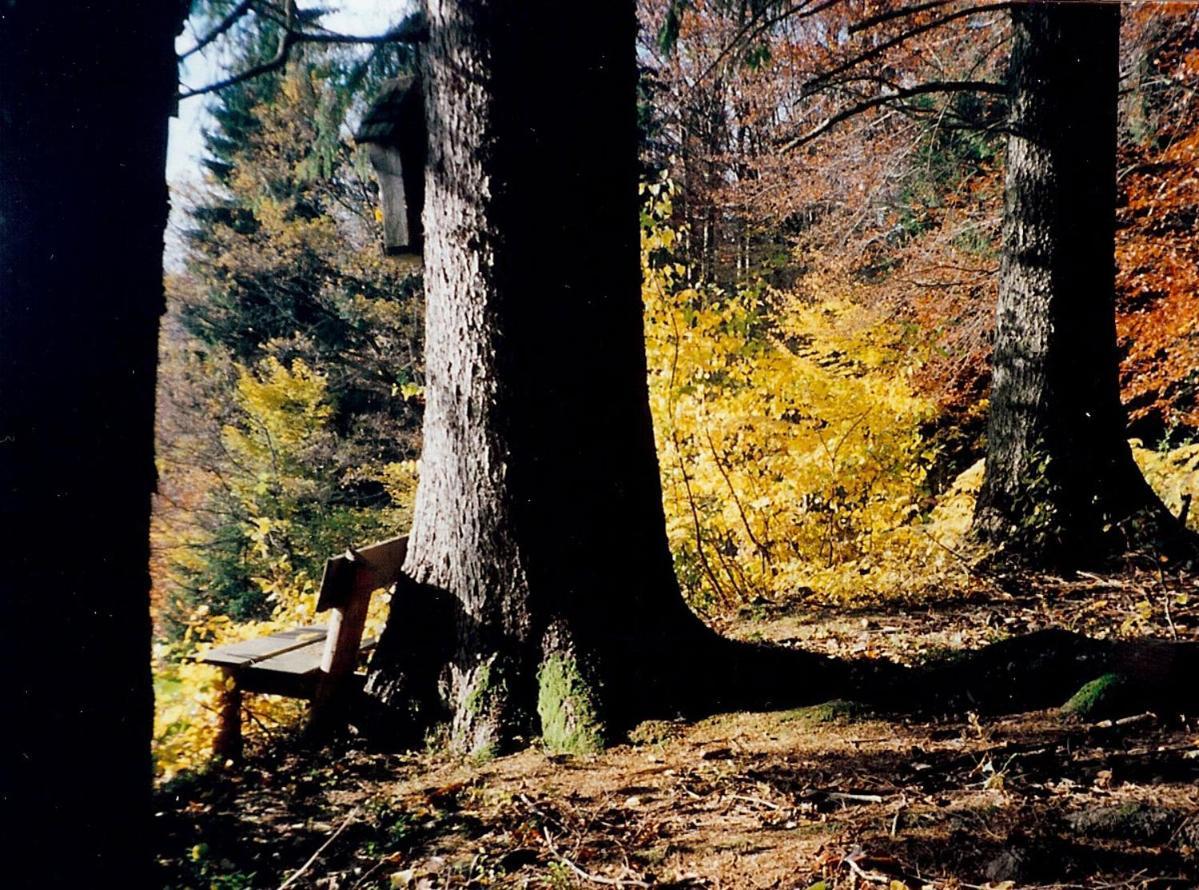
column 287, row 405
column 1173, row 475
column 284, row 411
column 398, row 480
column 789, row 440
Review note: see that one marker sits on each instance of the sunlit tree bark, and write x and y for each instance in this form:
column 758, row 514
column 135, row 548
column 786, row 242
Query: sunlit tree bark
column 1061, row 487
column 540, row 596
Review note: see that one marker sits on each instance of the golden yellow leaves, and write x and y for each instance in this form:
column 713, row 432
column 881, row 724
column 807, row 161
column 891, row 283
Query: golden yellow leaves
column 788, row 436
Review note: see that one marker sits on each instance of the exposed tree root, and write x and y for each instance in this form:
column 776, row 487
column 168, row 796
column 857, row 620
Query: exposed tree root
column 698, row 674
column 1032, row 672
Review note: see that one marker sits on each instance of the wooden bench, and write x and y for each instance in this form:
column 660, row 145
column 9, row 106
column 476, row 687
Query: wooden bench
column 316, row 663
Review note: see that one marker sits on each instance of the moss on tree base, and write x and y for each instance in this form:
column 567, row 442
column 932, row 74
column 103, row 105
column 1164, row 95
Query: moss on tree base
column 566, row 705
column 837, row 710
column 1103, row 697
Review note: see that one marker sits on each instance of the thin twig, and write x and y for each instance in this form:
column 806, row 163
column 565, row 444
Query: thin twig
column 855, row 798
column 757, row 800
column 224, row 25
column 870, row 877
column 763, row 552
column 1161, row 579
column 970, row 569
column 1127, row 721
column 317, row 855
column 587, row 876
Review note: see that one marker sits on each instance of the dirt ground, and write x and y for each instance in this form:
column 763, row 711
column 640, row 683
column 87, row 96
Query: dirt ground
column 825, row 797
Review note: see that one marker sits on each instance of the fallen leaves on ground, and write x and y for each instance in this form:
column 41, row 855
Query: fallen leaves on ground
column 805, row 798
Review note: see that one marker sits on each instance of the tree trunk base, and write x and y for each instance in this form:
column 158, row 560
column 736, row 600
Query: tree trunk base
column 1147, row 532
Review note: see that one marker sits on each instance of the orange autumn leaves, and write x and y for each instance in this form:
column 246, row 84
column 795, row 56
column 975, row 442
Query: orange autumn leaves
column 1158, row 284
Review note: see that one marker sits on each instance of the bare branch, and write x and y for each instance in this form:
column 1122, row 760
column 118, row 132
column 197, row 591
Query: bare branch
column 876, row 51
column 953, row 86
column 277, row 61
column 412, row 29
column 225, row 24
column 873, row 20
column 334, row 37
column 752, row 29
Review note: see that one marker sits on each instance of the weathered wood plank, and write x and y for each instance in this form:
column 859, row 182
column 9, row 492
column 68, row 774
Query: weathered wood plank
column 346, row 589
column 340, row 655
column 302, row 660
column 360, row 572
column 248, row 652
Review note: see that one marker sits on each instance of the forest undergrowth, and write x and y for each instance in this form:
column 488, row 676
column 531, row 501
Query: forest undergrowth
column 829, row 796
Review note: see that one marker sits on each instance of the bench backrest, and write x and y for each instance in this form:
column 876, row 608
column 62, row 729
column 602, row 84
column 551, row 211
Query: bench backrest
column 346, row 589
column 357, row 573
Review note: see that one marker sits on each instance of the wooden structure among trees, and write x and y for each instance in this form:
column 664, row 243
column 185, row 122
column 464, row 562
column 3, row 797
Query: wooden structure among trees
column 316, row 663
column 394, row 128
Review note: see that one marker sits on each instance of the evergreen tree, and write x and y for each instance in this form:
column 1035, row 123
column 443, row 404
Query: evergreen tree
column 283, row 274
column 539, row 593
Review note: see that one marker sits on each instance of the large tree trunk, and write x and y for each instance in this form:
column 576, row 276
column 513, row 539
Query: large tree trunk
column 538, row 518
column 85, row 93
column 1061, row 487
column 540, row 595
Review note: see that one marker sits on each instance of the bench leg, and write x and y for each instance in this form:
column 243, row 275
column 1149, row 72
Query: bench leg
column 228, row 745
column 329, row 704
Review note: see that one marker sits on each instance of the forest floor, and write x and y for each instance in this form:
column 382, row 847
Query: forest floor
column 830, row 796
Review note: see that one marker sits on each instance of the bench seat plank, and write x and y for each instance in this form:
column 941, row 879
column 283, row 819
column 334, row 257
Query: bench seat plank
column 258, row 650
column 304, row 660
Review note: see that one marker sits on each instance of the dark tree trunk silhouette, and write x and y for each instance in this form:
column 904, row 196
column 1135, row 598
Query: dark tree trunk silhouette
column 85, row 93
column 1061, row 487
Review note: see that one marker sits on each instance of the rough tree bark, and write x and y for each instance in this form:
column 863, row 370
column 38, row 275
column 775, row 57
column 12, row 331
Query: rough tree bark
column 85, row 93
column 540, row 595
column 1061, row 487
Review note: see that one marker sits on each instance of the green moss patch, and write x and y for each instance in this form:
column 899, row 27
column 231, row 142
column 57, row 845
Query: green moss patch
column 474, row 730
column 655, row 732
column 570, row 721
column 1103, row 697
column 836, row 711
column 481, row 690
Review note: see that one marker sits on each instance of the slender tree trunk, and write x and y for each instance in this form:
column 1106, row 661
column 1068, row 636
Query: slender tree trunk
column 540, row 595
column 1061, row 486
column 85, row 93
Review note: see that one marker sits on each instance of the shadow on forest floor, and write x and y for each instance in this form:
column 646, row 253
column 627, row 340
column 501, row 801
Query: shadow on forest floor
column 781, row 799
